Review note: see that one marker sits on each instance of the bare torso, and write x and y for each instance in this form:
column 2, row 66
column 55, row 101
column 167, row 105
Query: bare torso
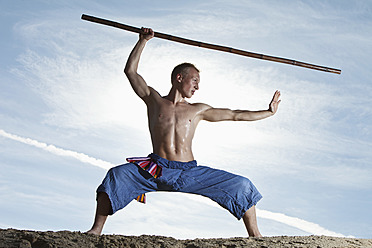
column 172, row 120
column 172, row 126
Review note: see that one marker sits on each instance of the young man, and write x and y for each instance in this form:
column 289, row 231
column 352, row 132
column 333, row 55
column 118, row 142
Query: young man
column 171, row 166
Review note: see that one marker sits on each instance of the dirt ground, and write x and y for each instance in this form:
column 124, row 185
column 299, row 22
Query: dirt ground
column 32, row 239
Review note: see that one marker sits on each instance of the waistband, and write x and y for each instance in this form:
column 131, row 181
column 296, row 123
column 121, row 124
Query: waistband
column 172, row 164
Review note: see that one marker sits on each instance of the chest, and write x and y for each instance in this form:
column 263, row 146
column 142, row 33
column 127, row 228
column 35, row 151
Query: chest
column 179, row 115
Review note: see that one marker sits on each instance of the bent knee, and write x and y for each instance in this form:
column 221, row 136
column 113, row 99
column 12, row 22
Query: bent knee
column 245, row 185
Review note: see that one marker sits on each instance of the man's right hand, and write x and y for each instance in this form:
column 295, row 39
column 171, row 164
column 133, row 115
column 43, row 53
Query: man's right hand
column 137, row 82
column 146, row 34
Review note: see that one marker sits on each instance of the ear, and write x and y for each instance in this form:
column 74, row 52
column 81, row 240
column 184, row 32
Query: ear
column 179, row 77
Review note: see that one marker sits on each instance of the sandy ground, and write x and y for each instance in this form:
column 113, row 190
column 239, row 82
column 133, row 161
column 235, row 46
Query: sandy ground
column 34, row 239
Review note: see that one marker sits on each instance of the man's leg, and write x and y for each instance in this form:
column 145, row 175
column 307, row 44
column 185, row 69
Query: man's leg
column 123, row 183
column 103, row 210
column 233, row 192
column 250, row 222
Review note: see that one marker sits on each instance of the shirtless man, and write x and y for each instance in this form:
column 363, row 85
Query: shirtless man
column 172, row 123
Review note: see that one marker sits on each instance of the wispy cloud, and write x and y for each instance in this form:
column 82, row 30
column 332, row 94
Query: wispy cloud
column 303, row 225
column 58, row 151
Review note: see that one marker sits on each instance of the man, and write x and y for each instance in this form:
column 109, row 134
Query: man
column 171, row 166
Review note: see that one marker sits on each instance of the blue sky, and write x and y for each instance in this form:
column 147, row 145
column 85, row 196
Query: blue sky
column 67, row 113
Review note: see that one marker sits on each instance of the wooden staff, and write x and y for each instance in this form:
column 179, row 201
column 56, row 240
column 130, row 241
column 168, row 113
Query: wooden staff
column 211, row 46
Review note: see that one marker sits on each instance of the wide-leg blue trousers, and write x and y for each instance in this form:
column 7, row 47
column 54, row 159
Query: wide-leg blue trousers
column 125, row 182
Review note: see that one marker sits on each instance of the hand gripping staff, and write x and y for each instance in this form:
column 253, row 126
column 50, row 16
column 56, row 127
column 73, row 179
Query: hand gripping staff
column 212, row 46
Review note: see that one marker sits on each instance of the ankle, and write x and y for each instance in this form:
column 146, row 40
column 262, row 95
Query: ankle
column 95, row 230
column 255, row 234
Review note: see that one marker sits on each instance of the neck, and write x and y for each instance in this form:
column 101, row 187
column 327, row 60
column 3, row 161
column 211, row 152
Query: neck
column 174, row 96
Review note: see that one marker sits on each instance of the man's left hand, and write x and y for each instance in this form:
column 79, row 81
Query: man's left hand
column 273, row 107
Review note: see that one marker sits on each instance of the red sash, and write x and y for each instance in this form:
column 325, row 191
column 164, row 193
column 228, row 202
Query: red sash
column 148, row 165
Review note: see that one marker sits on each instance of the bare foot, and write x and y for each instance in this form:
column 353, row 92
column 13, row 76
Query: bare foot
column 257, row 235
column 94, row 232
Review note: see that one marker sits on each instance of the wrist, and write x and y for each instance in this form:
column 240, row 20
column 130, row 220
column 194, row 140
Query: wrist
column 142, row 40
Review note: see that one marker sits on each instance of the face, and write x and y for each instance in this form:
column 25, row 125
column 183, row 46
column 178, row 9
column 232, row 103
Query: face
column 189, row 83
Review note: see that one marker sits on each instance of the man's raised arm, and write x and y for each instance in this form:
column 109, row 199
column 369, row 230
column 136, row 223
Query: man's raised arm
column 137, row 82
column 218, row 114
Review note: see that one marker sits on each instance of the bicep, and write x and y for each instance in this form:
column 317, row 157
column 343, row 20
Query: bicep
column 218, row 114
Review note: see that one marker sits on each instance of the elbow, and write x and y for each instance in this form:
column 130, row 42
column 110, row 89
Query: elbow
column 238, row 118
column 126, row 70
column 236, row 115
column 129, row 68
column 129, row 71
column 243, row 115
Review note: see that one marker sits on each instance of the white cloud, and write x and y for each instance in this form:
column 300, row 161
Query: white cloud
column 58, row 151
column 304, row 225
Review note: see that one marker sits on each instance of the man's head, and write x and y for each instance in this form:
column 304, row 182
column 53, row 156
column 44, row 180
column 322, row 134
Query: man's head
column 182, row 69
column 185, row 77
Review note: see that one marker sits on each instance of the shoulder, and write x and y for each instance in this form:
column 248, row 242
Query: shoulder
column 154, row 92
column 153, row 96
column 201, row 108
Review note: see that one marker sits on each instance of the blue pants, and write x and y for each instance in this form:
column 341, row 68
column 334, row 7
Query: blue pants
column 125, row 182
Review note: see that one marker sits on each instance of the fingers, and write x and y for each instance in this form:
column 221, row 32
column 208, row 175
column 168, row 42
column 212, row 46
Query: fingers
column 147, row 32
column 276, row 96
column 275, row 102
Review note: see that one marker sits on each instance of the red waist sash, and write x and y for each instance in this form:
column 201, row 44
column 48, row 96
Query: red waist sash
column 148, row 165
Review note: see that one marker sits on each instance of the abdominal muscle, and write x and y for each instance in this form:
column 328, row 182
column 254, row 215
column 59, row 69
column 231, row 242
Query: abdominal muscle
column 172, row 129
column 172, row 143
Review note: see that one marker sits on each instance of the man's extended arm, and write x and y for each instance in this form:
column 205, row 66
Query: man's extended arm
column 218, row 114
column 137, row 82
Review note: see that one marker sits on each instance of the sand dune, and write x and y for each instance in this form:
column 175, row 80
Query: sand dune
column 30, row 239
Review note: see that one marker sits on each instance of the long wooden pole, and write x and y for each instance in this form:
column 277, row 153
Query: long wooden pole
column 212, row 46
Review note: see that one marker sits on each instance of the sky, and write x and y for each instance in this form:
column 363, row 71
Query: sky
column 68, row 113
